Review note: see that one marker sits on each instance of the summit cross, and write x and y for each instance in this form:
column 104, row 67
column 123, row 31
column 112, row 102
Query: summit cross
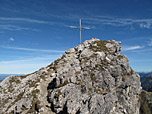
column 79, row 28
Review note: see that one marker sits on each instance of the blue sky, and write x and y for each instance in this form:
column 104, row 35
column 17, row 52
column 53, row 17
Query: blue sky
column 33, row 33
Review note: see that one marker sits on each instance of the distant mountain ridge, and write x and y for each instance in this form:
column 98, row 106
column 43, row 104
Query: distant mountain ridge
column 143, row 74
column 146, row 81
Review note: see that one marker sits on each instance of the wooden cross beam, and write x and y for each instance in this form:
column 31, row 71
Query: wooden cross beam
column 79, row 28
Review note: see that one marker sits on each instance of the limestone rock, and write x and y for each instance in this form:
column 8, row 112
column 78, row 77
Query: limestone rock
column 92, row 78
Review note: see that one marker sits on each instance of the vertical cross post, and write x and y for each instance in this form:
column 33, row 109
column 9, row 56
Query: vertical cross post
column 80, row 31
column 79, row 28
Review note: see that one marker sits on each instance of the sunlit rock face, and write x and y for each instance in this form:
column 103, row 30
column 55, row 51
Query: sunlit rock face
column 92, row 78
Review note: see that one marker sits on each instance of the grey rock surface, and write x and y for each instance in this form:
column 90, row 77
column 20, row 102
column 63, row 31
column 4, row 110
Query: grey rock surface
column 92, row 78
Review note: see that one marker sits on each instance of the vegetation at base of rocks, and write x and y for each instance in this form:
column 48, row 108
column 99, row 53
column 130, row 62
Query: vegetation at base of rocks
column 90, row 89
column 104, row 63
column 120, row 56
column 103, row 92
column 35, row 102
column 99, row 67
column 93, row 79
column 100, row 46
column 78, row 72
column 54, row 65
column 43, row 77
column 16, row 100
column 95, row 90
column 145, row 102
column 63, row 84
column 58, row 93
column 22, row 77
column 13, row 79
column 84, row 60
column 34, row 92
column 131, row 72
column 124, row 75
column 10, row 89
column 19, row 96
column 24, row 108
column 92, row 76
column 79, row 81
column 83, row 88
column 34, row 83
column 5, row 101
column 35, row 106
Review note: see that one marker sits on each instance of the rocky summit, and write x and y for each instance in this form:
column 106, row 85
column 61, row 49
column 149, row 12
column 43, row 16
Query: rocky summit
column 92, row 78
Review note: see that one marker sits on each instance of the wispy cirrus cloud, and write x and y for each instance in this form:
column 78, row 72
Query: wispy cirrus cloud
column 128, row 48
column 113, row 21
column 145, row 25
column 14, row 27
column 30, row 20
column 24, row 19
column 7, row 23
column 91, row 20
column 30, row 49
